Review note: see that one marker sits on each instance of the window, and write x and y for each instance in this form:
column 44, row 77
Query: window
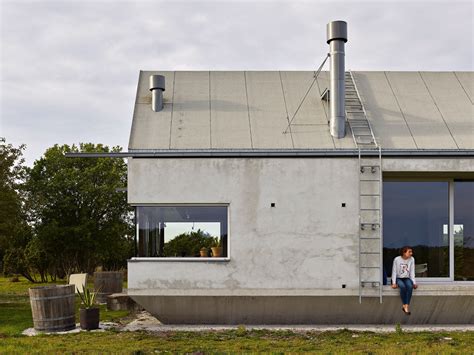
column 436, row 218
column 415, row 214
column 463, row 230
column 181, row 231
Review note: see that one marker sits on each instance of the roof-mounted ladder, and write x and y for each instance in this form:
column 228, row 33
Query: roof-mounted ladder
column 370, row 226
column 356, row 116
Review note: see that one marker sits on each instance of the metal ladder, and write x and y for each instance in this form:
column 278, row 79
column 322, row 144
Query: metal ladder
column 356, row 116
column 370, row 224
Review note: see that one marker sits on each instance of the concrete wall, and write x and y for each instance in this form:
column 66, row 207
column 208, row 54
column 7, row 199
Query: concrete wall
column 286, row 264
column 307, row 241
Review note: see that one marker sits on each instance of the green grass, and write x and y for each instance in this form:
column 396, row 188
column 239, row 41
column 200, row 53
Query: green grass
column 15, row 316
column 238, row 341
column 15, row 311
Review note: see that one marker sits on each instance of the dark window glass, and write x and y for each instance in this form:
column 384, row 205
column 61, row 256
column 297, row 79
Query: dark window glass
column 417, row 214
column 182, row 231
column 464, row 230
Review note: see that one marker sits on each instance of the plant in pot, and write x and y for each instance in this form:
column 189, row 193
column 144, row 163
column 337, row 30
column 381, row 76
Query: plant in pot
column 204, row 252
column 89, row 315
column 216, row 247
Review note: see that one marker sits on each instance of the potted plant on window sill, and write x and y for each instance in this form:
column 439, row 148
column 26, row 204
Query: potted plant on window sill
column 204, row 252
column 89, row 315
column 216, row 247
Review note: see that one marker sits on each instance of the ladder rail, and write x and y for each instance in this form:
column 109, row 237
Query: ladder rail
column 363, row 112
column 381, row 222
column 359, row 228
column 376, row 224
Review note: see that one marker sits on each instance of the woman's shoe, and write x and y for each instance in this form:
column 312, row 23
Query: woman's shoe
column 405, row 311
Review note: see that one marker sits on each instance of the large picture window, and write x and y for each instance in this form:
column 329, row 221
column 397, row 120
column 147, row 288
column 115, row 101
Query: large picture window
column 436, row 218
column 415, row 213
column 181, row 231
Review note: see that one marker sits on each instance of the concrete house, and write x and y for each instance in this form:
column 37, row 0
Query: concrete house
column 310, row 182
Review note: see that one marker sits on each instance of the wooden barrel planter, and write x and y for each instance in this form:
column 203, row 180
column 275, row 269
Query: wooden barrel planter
column 53, row 308
column 107, row 282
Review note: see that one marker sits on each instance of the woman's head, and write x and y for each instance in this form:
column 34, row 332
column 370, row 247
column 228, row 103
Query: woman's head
column 406, row 251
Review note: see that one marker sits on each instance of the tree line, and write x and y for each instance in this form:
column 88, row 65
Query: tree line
column 63, row 215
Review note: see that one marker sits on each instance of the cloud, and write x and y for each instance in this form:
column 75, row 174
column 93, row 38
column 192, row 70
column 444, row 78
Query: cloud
column 69, row 69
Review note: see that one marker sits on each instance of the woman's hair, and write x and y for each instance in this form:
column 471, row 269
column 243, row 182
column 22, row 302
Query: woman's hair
column 405, row 249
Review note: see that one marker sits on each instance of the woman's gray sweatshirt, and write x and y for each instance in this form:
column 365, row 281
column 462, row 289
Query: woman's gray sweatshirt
column 403, row 269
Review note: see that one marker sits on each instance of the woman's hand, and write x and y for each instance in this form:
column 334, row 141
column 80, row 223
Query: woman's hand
column 415, row 286
column 394, row 285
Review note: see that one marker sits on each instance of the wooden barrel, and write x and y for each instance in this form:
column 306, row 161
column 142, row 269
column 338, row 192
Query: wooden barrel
column 53, row 308
column 107, row 282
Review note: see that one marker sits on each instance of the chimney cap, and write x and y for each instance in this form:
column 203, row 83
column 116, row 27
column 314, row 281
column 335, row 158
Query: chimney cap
column 157, row 82
column 336, row 30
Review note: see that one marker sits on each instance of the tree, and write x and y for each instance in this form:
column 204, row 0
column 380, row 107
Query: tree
column 188, row 244
column 80, row 219
column 14, row 231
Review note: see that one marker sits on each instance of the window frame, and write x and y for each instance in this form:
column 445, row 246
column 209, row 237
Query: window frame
column 175, row 259
column 450, row 181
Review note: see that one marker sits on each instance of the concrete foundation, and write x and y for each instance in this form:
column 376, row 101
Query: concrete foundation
column 307, row 310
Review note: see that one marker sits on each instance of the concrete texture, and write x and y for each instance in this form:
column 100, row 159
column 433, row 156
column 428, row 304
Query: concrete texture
column 308, row 310
column 229, row 109
column 314, row 248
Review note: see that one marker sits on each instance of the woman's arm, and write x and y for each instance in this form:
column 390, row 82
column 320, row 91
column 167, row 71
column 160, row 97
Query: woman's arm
column 394, row 272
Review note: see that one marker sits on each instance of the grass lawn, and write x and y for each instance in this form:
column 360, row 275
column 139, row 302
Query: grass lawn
column 15, row 316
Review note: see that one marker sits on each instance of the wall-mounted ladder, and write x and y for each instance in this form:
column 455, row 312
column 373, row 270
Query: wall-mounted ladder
column 370, row 225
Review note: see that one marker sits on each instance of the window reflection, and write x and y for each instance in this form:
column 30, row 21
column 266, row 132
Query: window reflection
column 182, row 231
column 464, row 230
column 415, row 213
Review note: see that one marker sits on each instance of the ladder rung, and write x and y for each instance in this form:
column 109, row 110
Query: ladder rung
column 369, row 195
column 369, row 238
column 370, row 209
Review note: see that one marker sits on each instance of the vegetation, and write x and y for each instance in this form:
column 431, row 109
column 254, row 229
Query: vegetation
column 15, row 316
column 15, row 311
column 188, row 244
column 64, row 215
column 87, row 297
column 14, row 230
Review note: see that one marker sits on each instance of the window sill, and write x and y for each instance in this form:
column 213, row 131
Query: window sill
column 160, row 259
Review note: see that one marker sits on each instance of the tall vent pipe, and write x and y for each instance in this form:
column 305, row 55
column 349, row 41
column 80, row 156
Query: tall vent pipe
column 157, row 86
column 336, row 38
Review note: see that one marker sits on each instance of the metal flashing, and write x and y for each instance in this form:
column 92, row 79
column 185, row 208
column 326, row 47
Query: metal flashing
column 276, row 153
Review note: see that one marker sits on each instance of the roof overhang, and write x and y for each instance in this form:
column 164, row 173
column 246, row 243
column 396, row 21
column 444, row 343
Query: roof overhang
column 278, row 153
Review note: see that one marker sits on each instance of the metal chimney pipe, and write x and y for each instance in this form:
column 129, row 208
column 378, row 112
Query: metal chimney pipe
column 157, row 86
column 336, row 37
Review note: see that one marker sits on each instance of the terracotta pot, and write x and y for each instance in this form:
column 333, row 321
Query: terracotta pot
column 204, row 253
column 216, row 252
column 89, row 318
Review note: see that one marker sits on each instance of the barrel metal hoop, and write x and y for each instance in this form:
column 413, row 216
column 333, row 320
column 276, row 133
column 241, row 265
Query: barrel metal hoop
column 51, row 297
column 53, row 319
column 61, row 328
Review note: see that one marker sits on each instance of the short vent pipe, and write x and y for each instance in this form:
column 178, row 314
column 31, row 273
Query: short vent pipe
column 336, row 38
column 157, row 86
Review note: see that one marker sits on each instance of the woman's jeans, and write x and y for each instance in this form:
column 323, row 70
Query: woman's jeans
column 406, row 289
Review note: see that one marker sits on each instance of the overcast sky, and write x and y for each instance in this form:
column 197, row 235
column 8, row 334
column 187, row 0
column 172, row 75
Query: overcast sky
column 69, row 69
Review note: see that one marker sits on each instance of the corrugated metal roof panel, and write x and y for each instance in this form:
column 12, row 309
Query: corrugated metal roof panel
column 229, row 109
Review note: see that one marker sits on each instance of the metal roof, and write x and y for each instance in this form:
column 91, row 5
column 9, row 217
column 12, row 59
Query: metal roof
column 250, row 110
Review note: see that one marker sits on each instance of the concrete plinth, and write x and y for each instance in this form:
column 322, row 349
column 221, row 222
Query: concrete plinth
column 307, row 310
column 121, row 302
